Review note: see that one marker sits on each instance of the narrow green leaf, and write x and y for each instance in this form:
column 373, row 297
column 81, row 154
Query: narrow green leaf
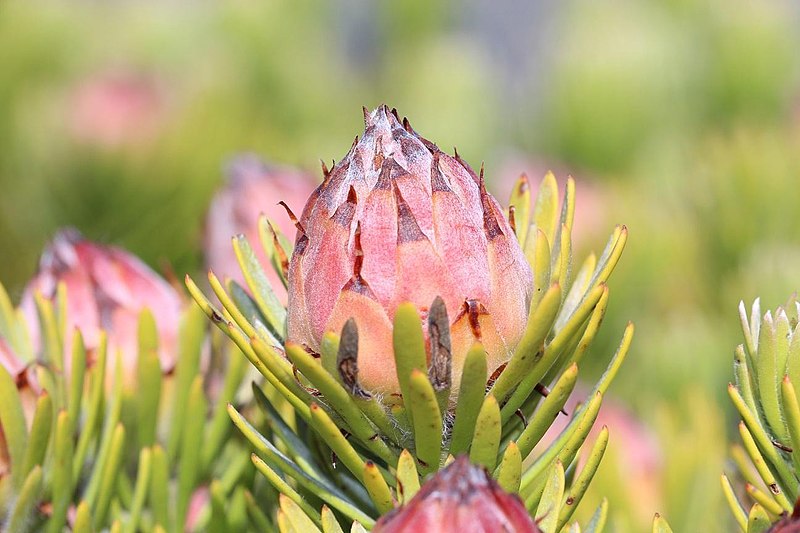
column 545, row 210
column 537, row 252
column 521, row 201
column 427, row 419
column 140, row 491
column 546, row 413
column 744, row 383
column 258, row 519
column 276, row 246
column 219, row 427
column 189, row 459
column 408, row 341
column 268, row 303
column 91, row 425
column 148, row 397
column 12, row 419
column 470, row 399
column 330, row 494
column 284, row 488
column 109, row 478
column 228, row 304
column 377, row 488
column 78, row 372
column 610, row 256
column 791, row 410
column 26, row 500
column 579, row 486
column 577, row 291
column 550, row 503
column 510, row 470
column 562, row 258
column 282, row 370
column 486, row 439
column 769, row 376
column 333, row 437
column 340, row 400
column 159, row 488
column 407, row 477
column 40, row 433
column 733, row 502
column 761, row 498
column 616, row 362
column 531, row 346
column 83, row 519
column 762, row 467
column 192, row 335
column 62, row 485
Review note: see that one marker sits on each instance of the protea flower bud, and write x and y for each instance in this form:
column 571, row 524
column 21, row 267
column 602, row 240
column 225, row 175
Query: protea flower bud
column 462, row 498
column 107, row 289
column 253, row 188
column 397, row 220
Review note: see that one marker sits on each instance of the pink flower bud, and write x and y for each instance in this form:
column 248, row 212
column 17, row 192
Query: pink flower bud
column 107, row 289
column 462, row 498
column 253, row 188
column 397, row 220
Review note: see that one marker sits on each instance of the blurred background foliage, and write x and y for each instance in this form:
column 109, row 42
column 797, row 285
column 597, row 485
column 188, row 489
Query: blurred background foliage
column 680, row 118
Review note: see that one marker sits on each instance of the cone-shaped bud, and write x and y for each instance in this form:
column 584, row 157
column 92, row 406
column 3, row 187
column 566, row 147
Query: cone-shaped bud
column 462, row 498
column 107, row 289
column 397, row 220
column 253, row 188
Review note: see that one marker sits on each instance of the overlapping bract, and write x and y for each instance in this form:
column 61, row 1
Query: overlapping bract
column 398, row 220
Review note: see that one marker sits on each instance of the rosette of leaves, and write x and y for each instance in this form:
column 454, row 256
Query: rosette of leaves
column 767, row 371
column 95, row 456
column 340, row 456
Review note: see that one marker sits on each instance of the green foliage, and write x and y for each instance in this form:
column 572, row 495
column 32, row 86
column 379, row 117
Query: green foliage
column 317, row 419
column 123, row 456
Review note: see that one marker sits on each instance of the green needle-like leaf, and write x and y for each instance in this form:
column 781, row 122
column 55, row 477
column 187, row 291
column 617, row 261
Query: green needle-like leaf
column 545, row 210
column 140, row 491
column 78, row 373
column 189, row 460
column 340, row 400
column 377, row 488
column 40, row 434
column 769, row 374
column 294, row 518
column 550, row 503
column 149, row 387
column 579, row 486
column 284, row 488
column 791, row 410
column 26, row 501
column 486, row 439
column 110, row 470
column 229, row 305
column 733, row 502
column 521, row 201
column 598, row 520
column 760, row 497
column 537, row 252
column 546, row 413
column 761, row 466
column 531, row 345
column 83, row 519
column 91, row 423
column 470, row 399
column 62, row 473
column 407, row 477
column 12, row 420
column 427, row 420
column 510, row 470
column 333, row 437
column 159, row 488
column 268, row 303
column 192, row 335
column 408, row 341
column 219, row 426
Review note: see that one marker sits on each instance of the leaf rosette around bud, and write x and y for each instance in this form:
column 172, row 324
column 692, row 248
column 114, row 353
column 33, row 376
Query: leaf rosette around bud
column 397, row 221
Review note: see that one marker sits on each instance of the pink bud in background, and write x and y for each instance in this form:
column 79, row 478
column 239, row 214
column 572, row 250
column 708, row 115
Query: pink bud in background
column 115, row 107
column 107, row 289
column 253, row 188
column 397, row 220
column 462, row 498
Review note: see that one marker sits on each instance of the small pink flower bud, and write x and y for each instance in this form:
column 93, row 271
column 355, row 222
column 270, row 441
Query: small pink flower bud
column 107, row 289
column 253, row 188
column 398, row 220
column 462, row 498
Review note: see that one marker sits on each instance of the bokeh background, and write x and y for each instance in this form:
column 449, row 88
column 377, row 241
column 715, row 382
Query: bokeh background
column 679, row 118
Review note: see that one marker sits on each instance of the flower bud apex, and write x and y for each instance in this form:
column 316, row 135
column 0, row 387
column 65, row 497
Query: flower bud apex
column 395, row 221
column 462, row 498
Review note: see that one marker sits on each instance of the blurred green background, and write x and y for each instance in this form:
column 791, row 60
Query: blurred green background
column 679, row 118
